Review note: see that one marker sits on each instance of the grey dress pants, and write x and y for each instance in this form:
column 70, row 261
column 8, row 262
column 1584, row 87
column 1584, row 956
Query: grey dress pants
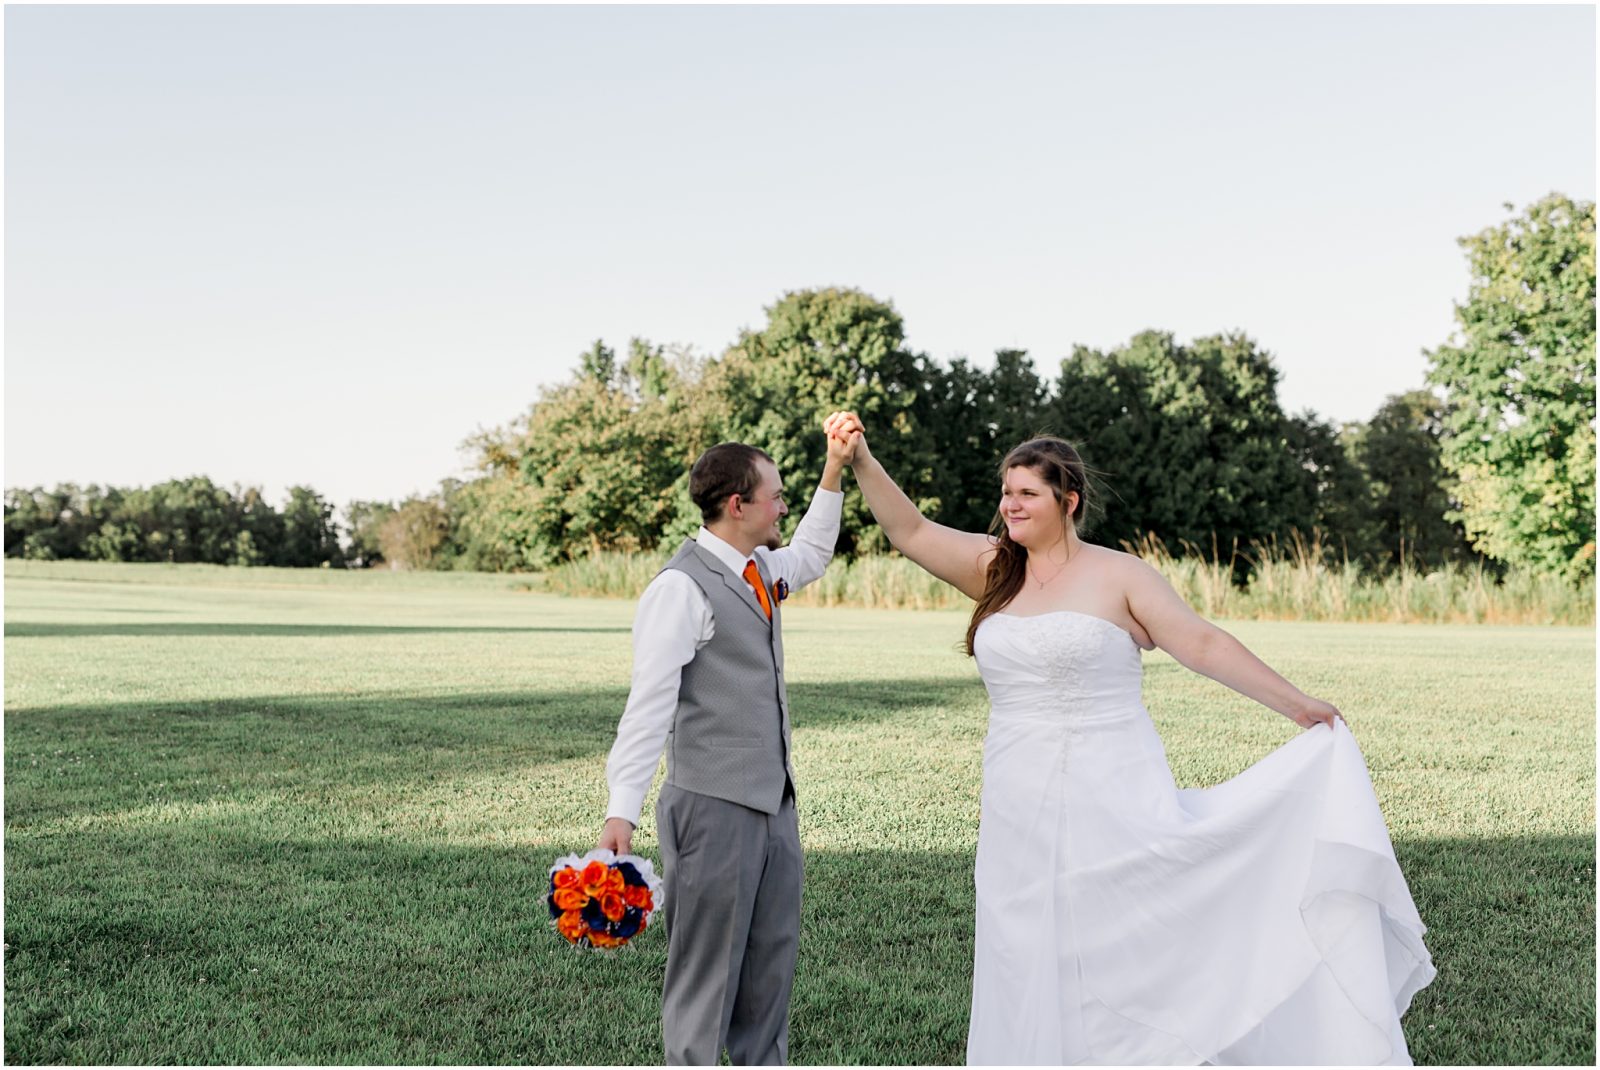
column 732, row 879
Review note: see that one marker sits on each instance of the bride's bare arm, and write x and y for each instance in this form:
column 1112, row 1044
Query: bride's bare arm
column 1202, row 647
column 957, row 557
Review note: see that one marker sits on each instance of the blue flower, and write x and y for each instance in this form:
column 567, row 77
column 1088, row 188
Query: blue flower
column 629, row 924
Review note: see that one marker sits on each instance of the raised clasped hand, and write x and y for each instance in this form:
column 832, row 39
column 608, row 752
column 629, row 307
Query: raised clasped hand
column 841, row 448
column 846, row 435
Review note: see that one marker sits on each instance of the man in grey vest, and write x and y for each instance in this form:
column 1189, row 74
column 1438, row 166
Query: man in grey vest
column 708, row 686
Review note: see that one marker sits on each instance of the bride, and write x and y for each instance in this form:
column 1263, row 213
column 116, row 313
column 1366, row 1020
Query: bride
column 1120, row 919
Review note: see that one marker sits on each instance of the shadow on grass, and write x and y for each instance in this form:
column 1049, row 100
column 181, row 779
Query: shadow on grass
column 63, row 761
column 30, row 630
column 210, row 942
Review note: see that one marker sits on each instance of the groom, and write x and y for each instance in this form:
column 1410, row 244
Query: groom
column 708, row 685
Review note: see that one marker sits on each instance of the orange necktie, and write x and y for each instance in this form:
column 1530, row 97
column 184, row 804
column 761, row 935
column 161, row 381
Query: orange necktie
column 752, row 576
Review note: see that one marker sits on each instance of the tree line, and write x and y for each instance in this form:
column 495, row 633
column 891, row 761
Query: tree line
column 1492, row 458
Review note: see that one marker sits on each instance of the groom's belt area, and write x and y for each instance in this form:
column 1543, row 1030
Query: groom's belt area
column 735, row 749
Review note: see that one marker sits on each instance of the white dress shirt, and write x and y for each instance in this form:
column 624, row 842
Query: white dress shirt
column 673, row 621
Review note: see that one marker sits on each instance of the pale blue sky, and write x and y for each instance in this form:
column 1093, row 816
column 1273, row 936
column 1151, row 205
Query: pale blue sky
column 323, row 245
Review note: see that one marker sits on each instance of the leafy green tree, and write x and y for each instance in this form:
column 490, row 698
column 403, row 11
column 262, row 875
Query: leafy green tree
column 1519, row 382
column 599, row 363
column 648, row 373
column 182, row 520
column 32, row 522
column 310, row 535
column 117, row 537
column 1400, row 451
column 179, row 520
column 413, row 534
column 1334, row 490
column 56, row 524
column 30, row 513
column 823, row 350
column 1187, row 442
column 597, row 463
column 1018, row 401
column 259, row 540
column 489, row 526
column 952, row 407
column 363, row 520
column 974, row 416
column 603, row 468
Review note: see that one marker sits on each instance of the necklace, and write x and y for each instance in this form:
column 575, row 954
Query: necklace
column 1032, row 574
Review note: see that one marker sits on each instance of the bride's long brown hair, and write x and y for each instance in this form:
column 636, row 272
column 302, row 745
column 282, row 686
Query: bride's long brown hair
column 1055, row 461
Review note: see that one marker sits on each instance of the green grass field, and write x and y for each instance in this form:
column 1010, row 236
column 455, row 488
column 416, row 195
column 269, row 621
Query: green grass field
column 265, row 816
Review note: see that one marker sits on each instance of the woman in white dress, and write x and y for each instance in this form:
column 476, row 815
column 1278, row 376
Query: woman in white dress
column 1119, row 919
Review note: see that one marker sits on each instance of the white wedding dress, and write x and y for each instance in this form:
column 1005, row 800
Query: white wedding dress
column 1123, row 921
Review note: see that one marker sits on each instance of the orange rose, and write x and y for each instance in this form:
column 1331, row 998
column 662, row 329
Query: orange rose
column 612, row 906
column 637, row 895
column 594, row 877
column 567, row 877
column 571, row 926
column 570, row 899
column 602, row 940
column 615, row 881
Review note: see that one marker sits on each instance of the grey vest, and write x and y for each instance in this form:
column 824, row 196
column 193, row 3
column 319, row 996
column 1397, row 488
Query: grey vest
column 730, row 734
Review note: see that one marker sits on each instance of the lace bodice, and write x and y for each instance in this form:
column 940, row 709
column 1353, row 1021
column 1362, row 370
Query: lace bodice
column 1064, row 661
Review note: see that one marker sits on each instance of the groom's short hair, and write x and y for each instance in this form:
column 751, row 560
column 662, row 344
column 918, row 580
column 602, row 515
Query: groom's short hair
column 725, row 469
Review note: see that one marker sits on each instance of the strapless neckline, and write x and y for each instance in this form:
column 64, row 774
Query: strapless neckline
column 1071, row 613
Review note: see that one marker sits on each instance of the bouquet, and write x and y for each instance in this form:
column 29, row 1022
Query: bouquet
column 601, row 900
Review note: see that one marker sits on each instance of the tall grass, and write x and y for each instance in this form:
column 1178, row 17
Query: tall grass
column 1302, row 580
column 1299, row 580
column 879, row 582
